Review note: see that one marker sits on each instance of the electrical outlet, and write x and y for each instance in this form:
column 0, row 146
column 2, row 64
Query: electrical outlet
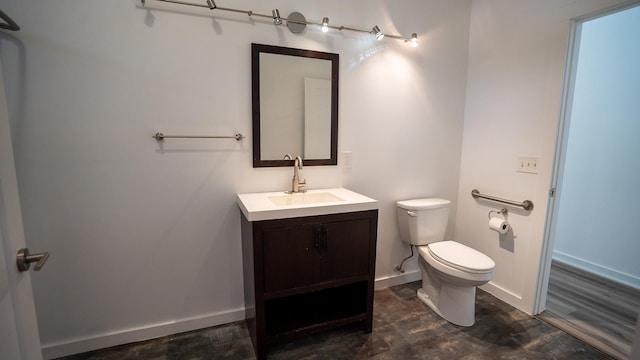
column 527, row 164
column 346, row 159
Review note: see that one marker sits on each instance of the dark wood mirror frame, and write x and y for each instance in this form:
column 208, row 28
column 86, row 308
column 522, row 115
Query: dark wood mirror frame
column 256, row 49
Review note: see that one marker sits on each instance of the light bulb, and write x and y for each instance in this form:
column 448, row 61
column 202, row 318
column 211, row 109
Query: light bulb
column 376, row 31
column 276, row 17
column 414, row 40
column 325, row 24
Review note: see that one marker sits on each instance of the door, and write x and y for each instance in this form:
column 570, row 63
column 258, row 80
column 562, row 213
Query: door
column 19, row 337
column 317, row 109
column 346, row 250
column 291, row 257
column 592, row 222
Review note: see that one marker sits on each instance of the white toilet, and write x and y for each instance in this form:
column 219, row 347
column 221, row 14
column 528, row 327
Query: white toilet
column 450, row 271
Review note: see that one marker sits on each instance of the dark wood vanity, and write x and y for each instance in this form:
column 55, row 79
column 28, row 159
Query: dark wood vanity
column 307, row 274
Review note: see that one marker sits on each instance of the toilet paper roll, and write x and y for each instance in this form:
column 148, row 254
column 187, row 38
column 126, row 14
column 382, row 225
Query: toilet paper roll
column 498, row 224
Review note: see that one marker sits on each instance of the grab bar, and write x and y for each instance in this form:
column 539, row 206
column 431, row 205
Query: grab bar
column 527, row 204
column 160, row 136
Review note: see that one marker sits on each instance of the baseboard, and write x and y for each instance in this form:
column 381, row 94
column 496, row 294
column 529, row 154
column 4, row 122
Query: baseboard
column 608, row 273
column 126, row 336
column 399, row 279
column 505, row 295
column 415, row 275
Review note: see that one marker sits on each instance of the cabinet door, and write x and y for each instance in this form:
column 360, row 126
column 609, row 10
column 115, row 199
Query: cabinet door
column 291, row 257
column 345, row 249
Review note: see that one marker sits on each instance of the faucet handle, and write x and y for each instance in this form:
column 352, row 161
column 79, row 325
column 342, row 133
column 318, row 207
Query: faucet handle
column 302, row 186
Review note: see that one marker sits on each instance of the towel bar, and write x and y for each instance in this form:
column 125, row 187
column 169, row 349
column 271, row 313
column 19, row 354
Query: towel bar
column 160, row 136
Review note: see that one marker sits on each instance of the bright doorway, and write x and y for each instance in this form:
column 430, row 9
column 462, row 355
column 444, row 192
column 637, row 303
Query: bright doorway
column 592, row 230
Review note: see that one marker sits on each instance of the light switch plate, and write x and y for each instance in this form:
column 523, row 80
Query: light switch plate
column 346, row 159
column 527, row 164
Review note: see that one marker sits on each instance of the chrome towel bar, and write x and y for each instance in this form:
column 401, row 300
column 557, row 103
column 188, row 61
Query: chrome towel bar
column 160, row 136
column 527, row 204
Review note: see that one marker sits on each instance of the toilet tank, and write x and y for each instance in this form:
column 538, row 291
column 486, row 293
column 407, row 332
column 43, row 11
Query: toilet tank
column 423, row 221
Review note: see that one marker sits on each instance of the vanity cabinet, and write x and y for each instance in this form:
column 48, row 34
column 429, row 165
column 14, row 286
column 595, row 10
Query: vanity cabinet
column 307, row 274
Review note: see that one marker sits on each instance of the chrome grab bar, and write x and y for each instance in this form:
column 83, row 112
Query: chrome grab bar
column 526, row 204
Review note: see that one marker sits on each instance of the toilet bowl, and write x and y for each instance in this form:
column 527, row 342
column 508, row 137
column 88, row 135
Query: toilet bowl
column 450, row 270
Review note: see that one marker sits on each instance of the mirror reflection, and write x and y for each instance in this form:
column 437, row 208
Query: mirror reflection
column 295, row 110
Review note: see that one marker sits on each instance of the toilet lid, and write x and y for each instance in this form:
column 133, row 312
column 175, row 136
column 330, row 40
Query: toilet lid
column 423, row 204
column 461, row 257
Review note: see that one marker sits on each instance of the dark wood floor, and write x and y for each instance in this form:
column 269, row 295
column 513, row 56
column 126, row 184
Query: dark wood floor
column 594, row 309
column 403, row 328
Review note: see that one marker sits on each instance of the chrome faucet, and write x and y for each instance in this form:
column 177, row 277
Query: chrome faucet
column 297, row 186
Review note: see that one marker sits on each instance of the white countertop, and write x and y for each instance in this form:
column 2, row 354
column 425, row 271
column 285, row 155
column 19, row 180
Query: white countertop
column 259, row 206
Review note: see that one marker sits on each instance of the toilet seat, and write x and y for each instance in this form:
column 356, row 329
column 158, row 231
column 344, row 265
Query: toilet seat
column 461, row 257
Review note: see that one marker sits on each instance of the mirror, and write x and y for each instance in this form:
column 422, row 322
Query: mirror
column 295, row 106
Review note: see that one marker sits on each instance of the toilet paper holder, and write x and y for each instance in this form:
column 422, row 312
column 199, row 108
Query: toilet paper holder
column 502, row 212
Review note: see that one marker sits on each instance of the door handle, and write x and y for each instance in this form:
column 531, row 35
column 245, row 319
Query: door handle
column 316, row 240
column 326, row 239
column 24, row 259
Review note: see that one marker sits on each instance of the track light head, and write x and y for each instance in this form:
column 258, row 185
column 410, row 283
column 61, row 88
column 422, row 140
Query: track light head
column 325, row 24
column 414, row 40
column 276, row 17
column 378, row 34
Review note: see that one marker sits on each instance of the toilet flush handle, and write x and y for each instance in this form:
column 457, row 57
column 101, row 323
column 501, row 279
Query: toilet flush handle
column 411, row 213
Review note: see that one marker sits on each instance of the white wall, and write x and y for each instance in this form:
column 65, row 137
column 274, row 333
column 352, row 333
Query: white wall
column 517, row 52
column 602, row 172
column 145, row 238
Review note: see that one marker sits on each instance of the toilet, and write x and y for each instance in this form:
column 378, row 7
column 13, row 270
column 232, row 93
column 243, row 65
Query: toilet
column 450, row 270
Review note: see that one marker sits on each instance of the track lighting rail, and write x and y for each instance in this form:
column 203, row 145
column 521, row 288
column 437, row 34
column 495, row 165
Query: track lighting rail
column 211, row 5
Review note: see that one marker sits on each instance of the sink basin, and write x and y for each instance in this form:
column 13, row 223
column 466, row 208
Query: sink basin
column 303, row 198
column 280, row 205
